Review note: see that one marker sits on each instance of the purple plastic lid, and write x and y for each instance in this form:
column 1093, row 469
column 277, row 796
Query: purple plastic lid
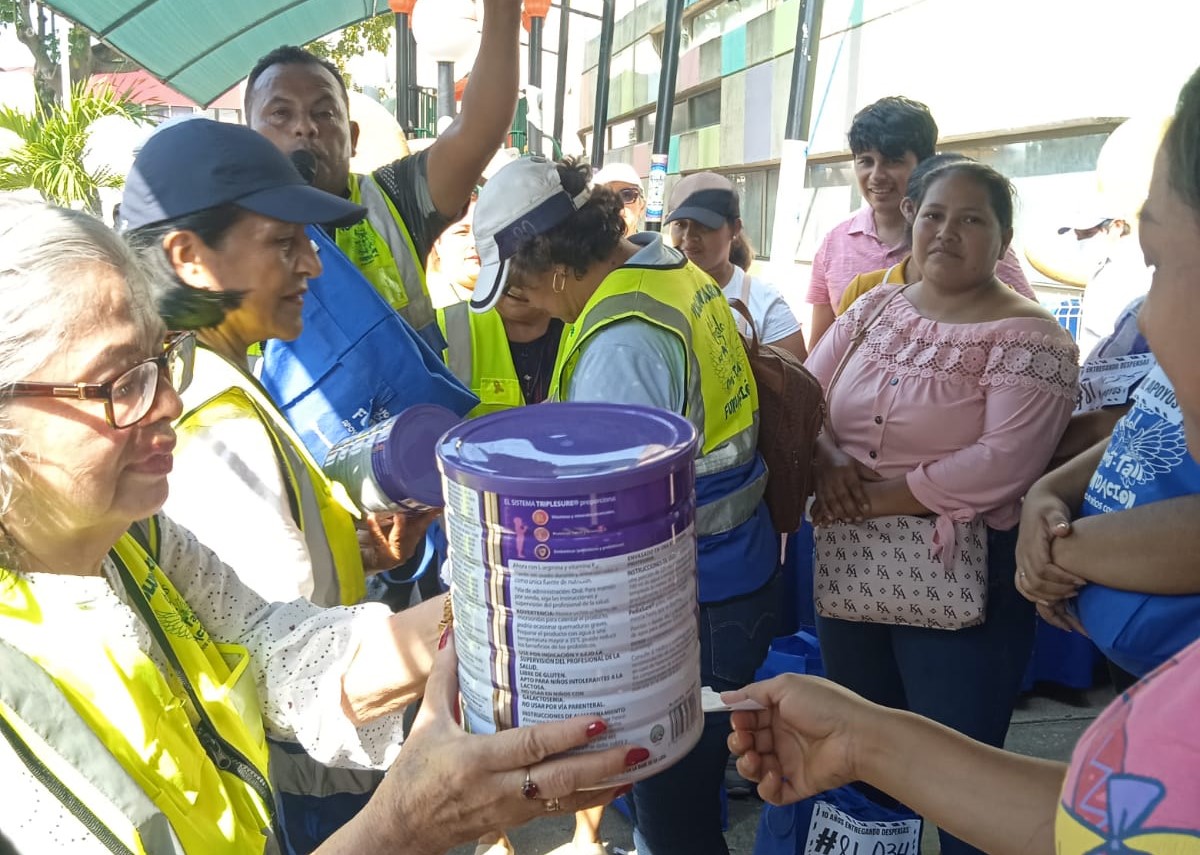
column 405, row 462
column 567, row 449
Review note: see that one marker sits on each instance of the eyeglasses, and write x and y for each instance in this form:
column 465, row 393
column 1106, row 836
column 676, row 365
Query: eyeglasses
column 128, row 398
column 629, row 195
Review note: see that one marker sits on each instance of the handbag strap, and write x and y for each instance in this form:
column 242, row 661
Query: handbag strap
column 854, row 343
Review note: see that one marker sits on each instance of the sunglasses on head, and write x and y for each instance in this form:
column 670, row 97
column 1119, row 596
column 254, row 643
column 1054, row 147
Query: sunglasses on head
column 130, row 397
column 629, row 195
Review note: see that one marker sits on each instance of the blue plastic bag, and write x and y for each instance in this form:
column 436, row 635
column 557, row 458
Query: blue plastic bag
column 837, row 821
column 356, row 363
column 799, row 653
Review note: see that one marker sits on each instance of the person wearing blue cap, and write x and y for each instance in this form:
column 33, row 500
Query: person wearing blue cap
column 299, row 102
column 218, row 215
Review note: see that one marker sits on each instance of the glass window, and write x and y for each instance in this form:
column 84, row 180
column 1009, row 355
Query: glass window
column 704, row 109
column 622, row 134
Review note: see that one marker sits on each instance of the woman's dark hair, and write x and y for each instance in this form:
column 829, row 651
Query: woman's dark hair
column 1182, row 145
column 916, row 179
column 999, row 189
column 894, row 126
column 586, row 237
column 181, row 306
column 741, row 252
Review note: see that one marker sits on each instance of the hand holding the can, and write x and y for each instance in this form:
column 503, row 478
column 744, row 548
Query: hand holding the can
column 390, row 539
column 449, row 787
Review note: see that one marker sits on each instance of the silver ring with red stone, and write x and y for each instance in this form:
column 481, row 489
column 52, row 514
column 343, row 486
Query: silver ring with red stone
column 529, row 789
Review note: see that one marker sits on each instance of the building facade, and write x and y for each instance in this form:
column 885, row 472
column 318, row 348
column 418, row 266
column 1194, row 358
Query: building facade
column 1032, row 87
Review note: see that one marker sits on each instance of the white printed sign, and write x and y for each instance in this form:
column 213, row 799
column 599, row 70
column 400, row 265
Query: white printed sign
column 832, row 832
column 1109, row 382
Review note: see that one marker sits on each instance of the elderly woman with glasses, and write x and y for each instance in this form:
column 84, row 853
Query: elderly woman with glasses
column 139, row 677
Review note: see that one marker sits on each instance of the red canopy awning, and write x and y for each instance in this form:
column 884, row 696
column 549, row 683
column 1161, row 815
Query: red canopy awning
column 143, row 88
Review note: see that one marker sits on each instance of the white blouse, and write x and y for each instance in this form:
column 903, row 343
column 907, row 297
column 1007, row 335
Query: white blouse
column 299, row 653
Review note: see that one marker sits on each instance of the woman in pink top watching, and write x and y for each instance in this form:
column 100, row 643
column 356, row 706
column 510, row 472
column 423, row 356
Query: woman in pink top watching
column 951, row 406
column 1133, row 784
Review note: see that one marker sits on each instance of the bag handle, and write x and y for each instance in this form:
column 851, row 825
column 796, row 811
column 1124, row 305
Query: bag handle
column 854, row 343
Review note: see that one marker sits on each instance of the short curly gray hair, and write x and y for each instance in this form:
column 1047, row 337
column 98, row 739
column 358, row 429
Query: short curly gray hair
column 48, row 256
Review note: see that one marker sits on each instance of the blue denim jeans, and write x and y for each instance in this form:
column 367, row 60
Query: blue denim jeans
column 678, row 812
column 968, row 679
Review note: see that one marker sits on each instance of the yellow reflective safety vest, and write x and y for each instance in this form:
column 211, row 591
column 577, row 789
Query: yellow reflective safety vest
column 148, row 762
column 479, row 355
column 320, row 507
column 722, row 399
column 382, row 248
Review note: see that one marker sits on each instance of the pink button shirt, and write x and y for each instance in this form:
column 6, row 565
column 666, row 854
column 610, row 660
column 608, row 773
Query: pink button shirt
column 968, row 413
column 853, row 247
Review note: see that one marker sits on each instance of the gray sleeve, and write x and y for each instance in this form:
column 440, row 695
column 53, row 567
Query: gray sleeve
column 406, row 183
column 631, row 362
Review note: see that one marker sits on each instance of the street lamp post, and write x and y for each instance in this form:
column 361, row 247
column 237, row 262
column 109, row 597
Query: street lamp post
column 536, row 10
column 662, row 118
column 560, row 80
column 404, row 61
column 604, row 63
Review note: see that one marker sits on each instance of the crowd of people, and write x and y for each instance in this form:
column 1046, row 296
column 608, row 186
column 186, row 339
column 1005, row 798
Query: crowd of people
column 190, row 661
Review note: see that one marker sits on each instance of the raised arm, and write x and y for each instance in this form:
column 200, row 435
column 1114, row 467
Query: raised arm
column 461, row 152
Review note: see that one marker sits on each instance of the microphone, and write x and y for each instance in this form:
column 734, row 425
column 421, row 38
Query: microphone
column 305, row 163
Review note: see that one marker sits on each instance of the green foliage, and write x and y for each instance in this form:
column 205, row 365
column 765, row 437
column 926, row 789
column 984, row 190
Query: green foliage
column 373, row 34
column 54, row 139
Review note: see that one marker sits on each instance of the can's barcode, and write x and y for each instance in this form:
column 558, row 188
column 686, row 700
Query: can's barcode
column 683, row 715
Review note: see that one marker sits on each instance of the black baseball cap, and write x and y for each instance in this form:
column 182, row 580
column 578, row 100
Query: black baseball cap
column 200, row 164
column 706, row 197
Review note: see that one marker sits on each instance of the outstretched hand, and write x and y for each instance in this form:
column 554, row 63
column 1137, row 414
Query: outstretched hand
column 806, row 741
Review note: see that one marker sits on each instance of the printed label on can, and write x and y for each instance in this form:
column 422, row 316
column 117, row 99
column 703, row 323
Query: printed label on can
column 559, row 613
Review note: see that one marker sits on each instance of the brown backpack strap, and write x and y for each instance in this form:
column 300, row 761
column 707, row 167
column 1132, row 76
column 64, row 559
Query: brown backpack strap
column 740, row 307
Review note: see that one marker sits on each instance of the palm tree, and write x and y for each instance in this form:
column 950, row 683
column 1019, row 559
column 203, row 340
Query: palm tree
column 53, row 142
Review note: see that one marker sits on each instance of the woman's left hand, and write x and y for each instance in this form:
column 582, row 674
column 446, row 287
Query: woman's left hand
column 390, row 539
column 449, row 787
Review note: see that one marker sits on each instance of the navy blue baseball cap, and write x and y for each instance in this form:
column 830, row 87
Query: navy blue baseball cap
column 200, row 164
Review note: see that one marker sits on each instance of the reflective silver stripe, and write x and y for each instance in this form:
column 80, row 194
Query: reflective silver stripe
column 31, row 694
column 639, row 303
column 731, row 510
column 419, row 311
column 739, row 449
column 458, row 341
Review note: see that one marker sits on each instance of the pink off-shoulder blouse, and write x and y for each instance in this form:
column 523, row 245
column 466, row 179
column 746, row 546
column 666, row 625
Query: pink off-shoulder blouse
column 969, row 413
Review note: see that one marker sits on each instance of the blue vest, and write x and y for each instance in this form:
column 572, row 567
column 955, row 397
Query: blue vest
column 1146, row 461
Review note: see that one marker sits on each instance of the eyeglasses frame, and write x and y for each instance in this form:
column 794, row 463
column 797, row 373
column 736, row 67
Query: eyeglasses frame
column 103, row 391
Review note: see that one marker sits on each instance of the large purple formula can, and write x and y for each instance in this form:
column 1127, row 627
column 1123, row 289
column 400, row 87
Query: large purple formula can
column 392, row 466
column 573, row 568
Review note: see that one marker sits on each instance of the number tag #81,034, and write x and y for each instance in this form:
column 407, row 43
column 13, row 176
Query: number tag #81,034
column 832, row 832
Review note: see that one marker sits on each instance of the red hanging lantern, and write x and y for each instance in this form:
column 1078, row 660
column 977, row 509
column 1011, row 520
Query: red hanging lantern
column 537, row 8
column 402, row 7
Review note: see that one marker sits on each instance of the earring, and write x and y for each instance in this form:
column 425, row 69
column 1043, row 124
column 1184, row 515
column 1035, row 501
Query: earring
column 559, row 284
